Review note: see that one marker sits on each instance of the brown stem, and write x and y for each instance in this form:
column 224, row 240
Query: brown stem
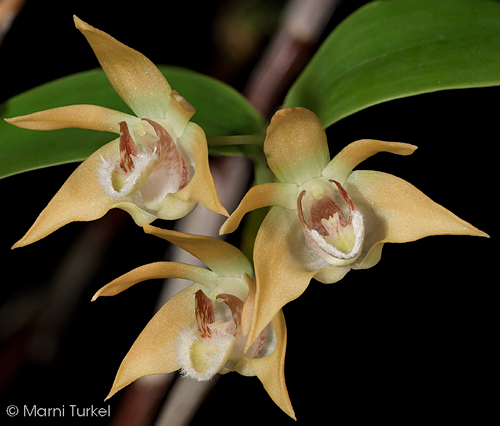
column 302, row 23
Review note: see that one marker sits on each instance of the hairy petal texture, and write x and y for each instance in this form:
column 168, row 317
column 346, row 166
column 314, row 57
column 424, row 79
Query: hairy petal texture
column 159, row 270
column 82, row 198
column 267, row 194
column 221, row 257
column 397, row 212
column 154, row 351
column 158, row 169
column 204, row 350
column 199, row 334
column 336, row 238
column 91, row 117
column 348, row 158
column 134, row 77
column 296, row 147
column 129, row 175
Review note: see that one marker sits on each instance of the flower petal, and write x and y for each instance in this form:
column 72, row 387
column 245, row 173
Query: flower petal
column 203, row 350
column 271, row 369
column 296, row 147
column 159, row 270
column 267, row 194
column 284, row 265
column 201, row 188
column 134, row 77
column 91, row 117
column 120, row 179
column 82, row 198
column 179, row 113
column 346, row 160
column 171, row 172
column 248, row 306
column 221, row 257
column 397, row 212
column 155, row 350
column 331, row 274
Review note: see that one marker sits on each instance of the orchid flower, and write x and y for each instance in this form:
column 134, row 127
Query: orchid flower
column 328, row 219
column 157, row 168
column 203, row 329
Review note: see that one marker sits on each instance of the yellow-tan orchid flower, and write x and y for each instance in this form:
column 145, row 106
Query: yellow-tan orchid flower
column 157, row 168
column 203, row 329
column 327, row 218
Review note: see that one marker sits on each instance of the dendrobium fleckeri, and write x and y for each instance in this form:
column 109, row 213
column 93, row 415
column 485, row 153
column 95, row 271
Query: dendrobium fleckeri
column 157, row 168
column 203, row 329
column 327, row 218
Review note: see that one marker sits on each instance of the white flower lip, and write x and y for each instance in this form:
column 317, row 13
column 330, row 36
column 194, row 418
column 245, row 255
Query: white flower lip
column 216, row 343
column 110, row 171
column 337, row 239
column 358, row 229
column 150, row 163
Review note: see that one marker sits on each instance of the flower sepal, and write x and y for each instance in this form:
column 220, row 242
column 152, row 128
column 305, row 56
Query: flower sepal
column 158, row 168
column 327, row 218
column 204, row 329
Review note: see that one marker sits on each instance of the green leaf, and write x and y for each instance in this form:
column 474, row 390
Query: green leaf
column 397, row 48
column 220, row 111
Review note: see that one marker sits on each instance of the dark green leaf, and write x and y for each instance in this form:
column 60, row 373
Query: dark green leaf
column 393, row 49
column 221, row 111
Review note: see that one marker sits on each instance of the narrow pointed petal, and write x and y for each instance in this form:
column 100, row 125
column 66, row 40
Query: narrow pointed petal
column 154, row 351
column 296, row 147
column 134, row 77
column 267, row 194
column 201, row 188
column 221, row 257
column 271, row 369
column 159, row 270
column 82, row 198
column 346, row 160
column 397, row 212
column 91, row 117
column 284, row 266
